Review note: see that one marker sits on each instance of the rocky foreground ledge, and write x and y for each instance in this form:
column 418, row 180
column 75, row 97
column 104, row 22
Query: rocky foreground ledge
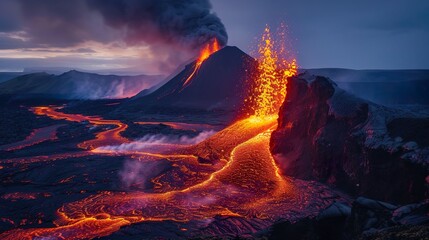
column 364, row 219
column 364, row 149
column 329, row 135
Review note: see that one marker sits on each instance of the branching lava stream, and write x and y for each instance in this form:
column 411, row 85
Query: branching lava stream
column 245, row 183
column 108, row 137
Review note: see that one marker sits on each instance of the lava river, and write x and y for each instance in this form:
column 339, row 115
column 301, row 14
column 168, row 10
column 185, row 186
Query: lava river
column 245, row 183
column 108, row 137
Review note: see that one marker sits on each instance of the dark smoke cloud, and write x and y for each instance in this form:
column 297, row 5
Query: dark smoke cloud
column 62, row 23
column 189, row 22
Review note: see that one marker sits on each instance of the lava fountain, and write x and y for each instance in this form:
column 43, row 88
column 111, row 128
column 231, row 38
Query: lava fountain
column 269, row 85
column 244, row 181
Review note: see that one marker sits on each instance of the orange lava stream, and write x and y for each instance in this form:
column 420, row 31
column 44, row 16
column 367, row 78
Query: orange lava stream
column 205, row 53
column 108, row 137
column 242, row 187
column 245, row 180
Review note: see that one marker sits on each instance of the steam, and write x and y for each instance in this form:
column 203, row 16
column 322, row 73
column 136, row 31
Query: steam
column 135, row 173
column 153, row 143
column 88, row 88
column 138, row 174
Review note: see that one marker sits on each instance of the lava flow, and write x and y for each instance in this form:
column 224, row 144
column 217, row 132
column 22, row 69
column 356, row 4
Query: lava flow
column 244, row 181
column 205, row 53
column 108, row 137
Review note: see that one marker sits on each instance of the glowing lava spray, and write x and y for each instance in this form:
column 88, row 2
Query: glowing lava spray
column 269, row 90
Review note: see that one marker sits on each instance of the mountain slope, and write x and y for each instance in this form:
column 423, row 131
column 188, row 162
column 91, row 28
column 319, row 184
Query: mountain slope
column 6, row 76
column 219, row 85
column 77, row 85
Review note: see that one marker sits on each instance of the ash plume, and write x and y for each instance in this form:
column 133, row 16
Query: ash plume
column 170, row 31
column 188, row 22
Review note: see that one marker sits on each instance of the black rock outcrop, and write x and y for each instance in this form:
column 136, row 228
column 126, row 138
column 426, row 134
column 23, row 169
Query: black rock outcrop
column 326, row 134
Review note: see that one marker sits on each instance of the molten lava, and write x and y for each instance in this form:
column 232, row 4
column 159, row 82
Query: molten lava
column 269, row 89
column 239, row 177
column 108, row 137
column 205, row 53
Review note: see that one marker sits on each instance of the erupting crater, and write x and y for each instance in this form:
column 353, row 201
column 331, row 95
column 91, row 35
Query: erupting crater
column 205, row 53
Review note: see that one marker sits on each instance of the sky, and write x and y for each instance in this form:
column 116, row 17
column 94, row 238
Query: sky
column 364, row 34
column 333, row 33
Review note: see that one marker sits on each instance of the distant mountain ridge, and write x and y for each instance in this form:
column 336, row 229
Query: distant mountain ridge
column 387, row 87
column 77, row 85
column 6, row 76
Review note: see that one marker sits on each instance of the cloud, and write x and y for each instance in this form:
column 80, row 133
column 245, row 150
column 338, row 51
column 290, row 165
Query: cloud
column 83, row 50
column 63, row 23
column 10, row 16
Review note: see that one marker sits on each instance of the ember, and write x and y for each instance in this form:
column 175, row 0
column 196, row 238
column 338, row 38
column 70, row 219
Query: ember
column 270, row 90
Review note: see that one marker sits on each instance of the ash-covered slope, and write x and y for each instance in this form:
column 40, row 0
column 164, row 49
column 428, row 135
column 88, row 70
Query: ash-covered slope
column 219, row 85
column 77, row 85
column 327, row 134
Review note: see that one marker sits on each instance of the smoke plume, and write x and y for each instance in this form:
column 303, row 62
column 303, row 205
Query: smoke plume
column 170, row 30
column 188, row 22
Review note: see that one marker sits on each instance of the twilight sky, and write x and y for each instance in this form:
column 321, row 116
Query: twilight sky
column 149, row 37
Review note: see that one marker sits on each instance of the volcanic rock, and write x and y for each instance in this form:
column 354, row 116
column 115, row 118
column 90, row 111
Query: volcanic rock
column 368, row 214
column 371, row 219
column 327, row 134
column 364, row 219
column 412, row 214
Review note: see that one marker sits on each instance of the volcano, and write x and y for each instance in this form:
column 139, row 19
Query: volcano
column 220, row 85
